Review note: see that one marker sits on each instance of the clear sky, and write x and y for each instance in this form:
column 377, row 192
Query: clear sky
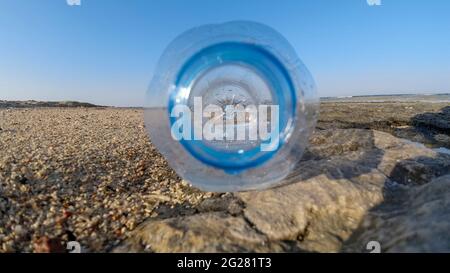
column 104, row 51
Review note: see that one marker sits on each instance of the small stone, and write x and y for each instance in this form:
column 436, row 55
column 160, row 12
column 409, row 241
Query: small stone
column 69, row 172
column 23, row 180
column 347, row 176
column 48, row 245
column 18, row 229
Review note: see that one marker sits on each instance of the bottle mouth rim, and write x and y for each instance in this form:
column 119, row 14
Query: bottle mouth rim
column 269, row 67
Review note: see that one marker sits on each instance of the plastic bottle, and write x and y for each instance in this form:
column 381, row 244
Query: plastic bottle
column 207, row 71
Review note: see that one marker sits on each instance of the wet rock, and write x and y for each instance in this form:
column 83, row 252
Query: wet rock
column 440, row 120
column 420, row 170
column 427, row 123
column 344, row 175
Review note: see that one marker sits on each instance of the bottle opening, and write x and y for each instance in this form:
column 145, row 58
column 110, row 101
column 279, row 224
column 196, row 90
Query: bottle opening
column 241, row 104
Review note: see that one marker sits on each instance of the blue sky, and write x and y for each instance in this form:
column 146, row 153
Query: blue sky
column 104, row 51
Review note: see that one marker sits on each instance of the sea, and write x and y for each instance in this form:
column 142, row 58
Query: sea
column 433, row 98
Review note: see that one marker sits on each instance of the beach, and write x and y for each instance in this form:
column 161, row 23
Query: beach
column 91, row 174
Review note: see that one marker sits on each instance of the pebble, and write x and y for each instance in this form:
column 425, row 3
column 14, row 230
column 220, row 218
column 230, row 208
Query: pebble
column 90, row 174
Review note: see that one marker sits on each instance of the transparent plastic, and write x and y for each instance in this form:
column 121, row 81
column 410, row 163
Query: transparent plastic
column 238, row 63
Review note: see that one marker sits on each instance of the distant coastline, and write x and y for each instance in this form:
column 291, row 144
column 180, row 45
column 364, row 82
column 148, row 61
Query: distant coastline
column 38, row 104
column 381, row 98
column 432, row 98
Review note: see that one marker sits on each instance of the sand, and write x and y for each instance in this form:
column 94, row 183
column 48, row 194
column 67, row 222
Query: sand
column 89, row 175
column 92, row 175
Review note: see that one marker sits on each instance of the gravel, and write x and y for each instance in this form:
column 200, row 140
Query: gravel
column 84, row 174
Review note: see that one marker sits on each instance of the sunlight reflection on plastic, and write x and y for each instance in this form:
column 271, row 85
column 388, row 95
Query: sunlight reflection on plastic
column 237, row 65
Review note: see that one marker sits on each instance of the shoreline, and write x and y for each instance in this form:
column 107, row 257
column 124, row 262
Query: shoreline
column 74, row 173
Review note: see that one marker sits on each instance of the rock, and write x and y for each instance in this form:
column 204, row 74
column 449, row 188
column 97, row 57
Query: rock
column 427, row 123
column 344, row 175
column 228, row 203
column 440, row 120
column 92, row 175
column 442, row 138
column 418, row 222
column 214, row 231
column 420, row 170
